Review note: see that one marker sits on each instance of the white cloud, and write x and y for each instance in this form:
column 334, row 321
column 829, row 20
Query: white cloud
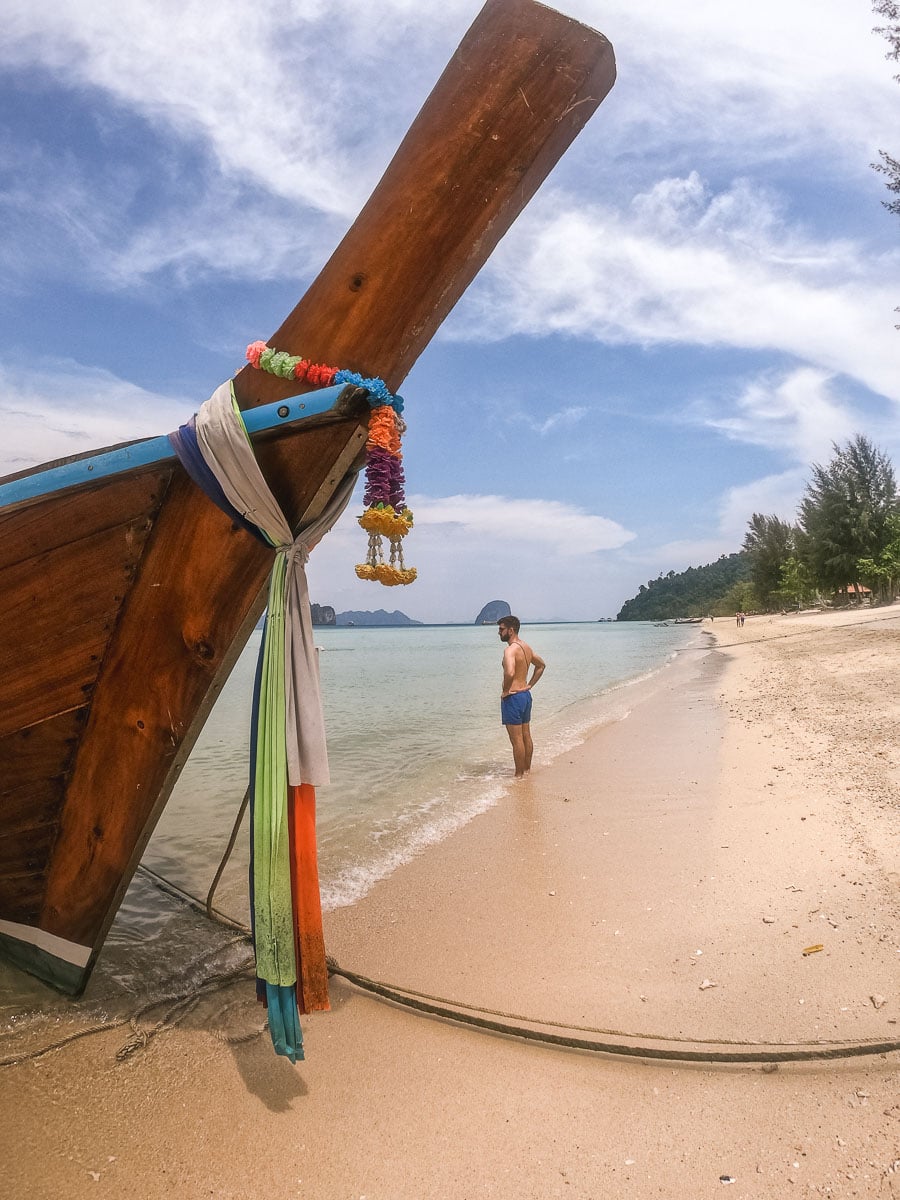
column 565, row 418
column 768, row 80
column 280, row 93
column 777, row 495
column 549, row 559
column 550, row 526
column 794, row 414
column 689, row 265
column 63, row 408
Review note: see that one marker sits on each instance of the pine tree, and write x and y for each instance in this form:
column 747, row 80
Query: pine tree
column 769, row 542
column 845, row 512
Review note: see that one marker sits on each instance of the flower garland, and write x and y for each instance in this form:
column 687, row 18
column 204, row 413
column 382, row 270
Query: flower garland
column 386, row 512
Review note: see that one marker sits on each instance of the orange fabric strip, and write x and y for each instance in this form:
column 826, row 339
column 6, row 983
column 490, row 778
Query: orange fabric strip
column 312, row 971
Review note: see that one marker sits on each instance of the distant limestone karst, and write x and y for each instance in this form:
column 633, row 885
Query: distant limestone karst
column 492, row 612
column 379, row 617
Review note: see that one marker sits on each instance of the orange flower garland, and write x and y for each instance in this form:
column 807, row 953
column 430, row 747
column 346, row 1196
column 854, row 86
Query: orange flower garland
column 386, row 512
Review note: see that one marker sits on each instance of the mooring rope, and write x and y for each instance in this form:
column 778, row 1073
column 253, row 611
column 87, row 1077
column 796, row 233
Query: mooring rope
column 667, row 1047
column 780, row 637
column 673, row 1049
column 181, row 1005
column 616, row 1042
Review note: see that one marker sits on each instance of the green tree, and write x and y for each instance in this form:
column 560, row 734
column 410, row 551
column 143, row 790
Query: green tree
column 845, row 510
column 769, row 543
column 740, row 598
column 691, row 593
column 889, row 166
column 890, row 11
column 797, row 585
column 882, row 573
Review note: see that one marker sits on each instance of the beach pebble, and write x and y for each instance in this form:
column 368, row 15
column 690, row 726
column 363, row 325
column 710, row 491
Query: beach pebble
column 878, row 1001
column 707, row 983
column 727, row 1179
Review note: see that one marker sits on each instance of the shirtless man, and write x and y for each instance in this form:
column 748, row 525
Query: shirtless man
column 515, row 699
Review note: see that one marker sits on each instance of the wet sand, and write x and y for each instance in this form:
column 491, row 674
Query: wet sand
column 746, row 810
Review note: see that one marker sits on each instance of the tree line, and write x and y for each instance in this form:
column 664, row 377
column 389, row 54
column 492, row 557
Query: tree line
column 844, row 545
column 846, row 536
column 720, row 587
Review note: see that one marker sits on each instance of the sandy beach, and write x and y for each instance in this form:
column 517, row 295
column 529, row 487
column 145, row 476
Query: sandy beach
column 662, row 881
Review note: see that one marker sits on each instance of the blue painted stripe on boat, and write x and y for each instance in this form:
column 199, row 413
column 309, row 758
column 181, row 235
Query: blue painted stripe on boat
column 157, row 450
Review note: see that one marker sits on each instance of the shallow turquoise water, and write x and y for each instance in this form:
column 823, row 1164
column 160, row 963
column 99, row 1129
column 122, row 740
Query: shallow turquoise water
column 415, row 741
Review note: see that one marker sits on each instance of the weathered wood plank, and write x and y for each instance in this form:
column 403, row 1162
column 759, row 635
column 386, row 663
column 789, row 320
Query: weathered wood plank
column 63, row 684
column 39, row 753
column 57, row 520
column 23, row 852
column 22, row 896
column 31, row 806
column 59, row 612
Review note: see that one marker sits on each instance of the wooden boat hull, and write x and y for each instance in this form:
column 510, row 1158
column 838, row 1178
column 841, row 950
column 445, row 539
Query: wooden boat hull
column 128, row 601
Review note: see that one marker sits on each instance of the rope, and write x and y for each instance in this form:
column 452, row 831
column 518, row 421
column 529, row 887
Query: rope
column 166, row 885
column 228, row 851
column 779, row 637
column 765, row 1052
column 182, row 1004
column 634, row 1045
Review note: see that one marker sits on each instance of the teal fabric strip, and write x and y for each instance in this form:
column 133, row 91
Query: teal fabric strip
column 284, row 1023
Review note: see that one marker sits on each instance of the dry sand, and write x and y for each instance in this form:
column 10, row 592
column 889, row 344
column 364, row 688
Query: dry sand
column 745, row 810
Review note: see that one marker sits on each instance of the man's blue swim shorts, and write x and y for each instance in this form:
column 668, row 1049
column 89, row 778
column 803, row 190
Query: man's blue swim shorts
column 515, row 709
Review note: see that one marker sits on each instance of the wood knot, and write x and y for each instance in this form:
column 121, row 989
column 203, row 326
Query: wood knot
column 203, row 649
column 356, row 282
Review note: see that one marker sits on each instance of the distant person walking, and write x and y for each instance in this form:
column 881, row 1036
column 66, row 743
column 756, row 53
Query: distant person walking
column 515, row 699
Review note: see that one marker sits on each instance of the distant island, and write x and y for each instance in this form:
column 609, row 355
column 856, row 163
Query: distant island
column 379, row 617
column 492, row 612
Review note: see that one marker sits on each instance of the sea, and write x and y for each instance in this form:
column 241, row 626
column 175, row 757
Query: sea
column 416, row 750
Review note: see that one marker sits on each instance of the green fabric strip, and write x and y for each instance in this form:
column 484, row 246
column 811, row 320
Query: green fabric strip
column 273, row 909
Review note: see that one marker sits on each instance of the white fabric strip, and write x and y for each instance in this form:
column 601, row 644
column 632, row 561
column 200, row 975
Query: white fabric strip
column 69, row 952
column 229, row 455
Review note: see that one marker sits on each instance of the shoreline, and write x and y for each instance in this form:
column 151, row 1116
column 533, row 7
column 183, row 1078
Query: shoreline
column 613, row 704
column 716, row 817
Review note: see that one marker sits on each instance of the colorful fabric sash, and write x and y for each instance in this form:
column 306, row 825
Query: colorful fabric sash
column 288, row 752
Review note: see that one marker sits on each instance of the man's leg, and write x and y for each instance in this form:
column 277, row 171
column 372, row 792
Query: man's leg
column 518, row 747
column 527, row 745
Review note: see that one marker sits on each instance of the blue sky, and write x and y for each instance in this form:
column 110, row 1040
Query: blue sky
column 697, row 303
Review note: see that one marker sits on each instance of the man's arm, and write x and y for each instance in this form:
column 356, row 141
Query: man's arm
column 537, row 669
column 509, row 670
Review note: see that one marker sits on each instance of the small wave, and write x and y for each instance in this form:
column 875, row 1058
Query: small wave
column 442, row 817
